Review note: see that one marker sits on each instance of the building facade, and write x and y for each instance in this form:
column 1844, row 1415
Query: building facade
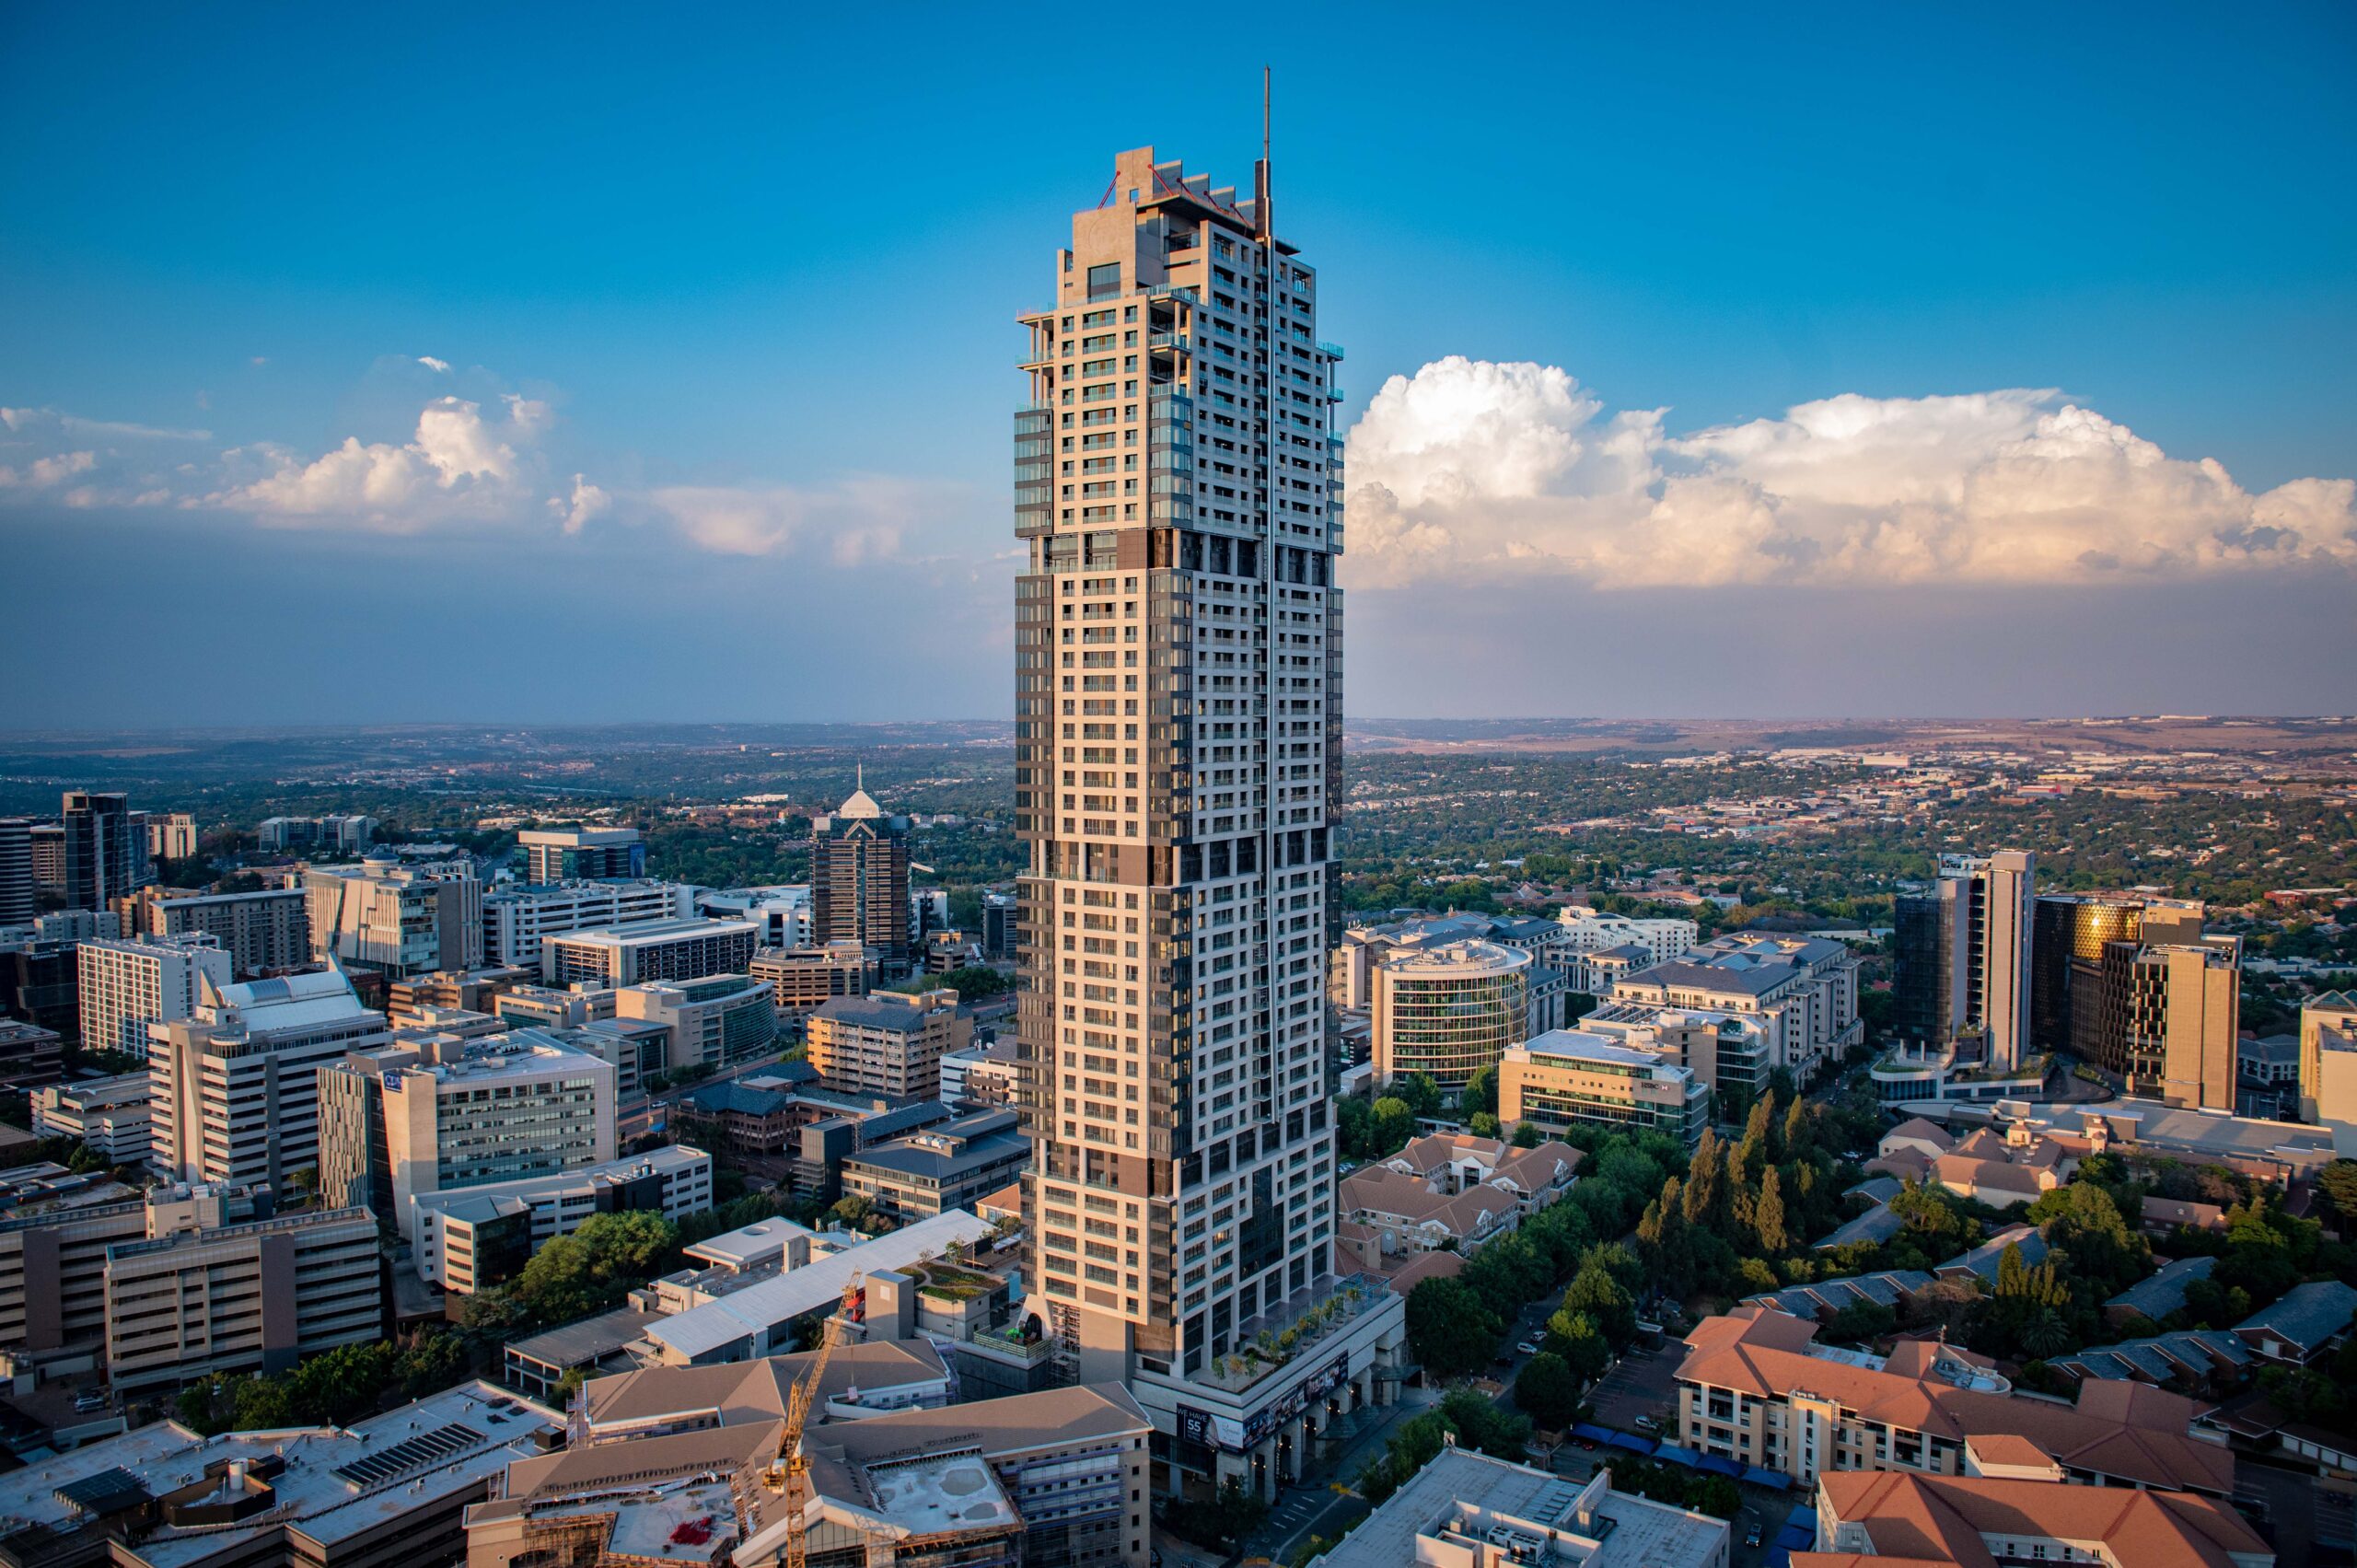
column 103, row 852
column 716, row 1021
column 18, row 893
column 859, row 881
column 171, row 837
column 1963, row 953
column 469, row 1238
column 1177, row 715
column 1569, row 1078
column 803, row 980
column 337, row 835
column 108, row 1115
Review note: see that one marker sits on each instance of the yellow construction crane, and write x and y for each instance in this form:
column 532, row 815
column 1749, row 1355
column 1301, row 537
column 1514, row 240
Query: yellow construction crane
column 797, row 1412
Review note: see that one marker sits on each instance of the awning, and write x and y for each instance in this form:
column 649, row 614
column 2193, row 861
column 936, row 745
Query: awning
column 1595, row 1434
column 1802, row 1513
column 1777, row 1558
column 1717, row 1465
column 1635, row 1445
column 1676, row 1455
column 1791, row 1537
column 1774, row 1479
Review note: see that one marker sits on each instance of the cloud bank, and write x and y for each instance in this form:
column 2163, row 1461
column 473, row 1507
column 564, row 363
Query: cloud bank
column 1471, row 470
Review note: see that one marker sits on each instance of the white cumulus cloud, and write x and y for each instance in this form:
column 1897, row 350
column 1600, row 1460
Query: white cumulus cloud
column 441, row 366
column 1469, row 468
column 860, row 520
column 586, row 503
column 459, row 465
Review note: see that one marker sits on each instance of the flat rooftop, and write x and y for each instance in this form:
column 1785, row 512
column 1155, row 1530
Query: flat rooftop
column 666, row 930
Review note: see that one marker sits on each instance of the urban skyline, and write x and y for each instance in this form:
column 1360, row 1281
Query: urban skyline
column 1920, row 422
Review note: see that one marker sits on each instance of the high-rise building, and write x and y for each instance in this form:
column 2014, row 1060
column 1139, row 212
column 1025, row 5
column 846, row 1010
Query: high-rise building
column 234, row 1089
column 103, row 859
column 17, row 886
column 400, row 1120
column 2329, row 1057
column 402, row 920
column 2081, row 949
column 717, row 1020
column 126, row 985
column 570, row 855
column 337, row 835
column 1963, row 957
column 2184, row 1021
column 1178, row 749
column 859, row 880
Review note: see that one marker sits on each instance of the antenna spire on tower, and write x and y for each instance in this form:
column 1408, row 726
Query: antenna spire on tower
column 1261, row 171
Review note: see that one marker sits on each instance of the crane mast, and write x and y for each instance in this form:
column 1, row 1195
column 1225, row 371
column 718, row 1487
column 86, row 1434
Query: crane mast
column 798, row 1414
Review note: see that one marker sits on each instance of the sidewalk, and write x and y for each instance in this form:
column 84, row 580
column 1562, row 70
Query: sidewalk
column 1314, row 1507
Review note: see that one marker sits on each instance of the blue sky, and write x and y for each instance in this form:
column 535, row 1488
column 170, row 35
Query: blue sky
column 752, row 275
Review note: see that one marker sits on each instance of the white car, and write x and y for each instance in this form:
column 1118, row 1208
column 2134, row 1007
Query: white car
column 1528, row 1347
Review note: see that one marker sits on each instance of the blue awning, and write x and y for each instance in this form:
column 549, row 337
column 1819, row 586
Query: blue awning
column 1802, row 1513
column 1595, row 1434
column 1635, row 1445
column 1717, row 1465
column 1777, row 1558
column 1676, row 1455
column 1791, row 1537
column 1776, row 1480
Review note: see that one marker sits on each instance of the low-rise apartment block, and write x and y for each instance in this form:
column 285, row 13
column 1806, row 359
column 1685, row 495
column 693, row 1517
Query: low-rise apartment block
column 1445, row 1192
column 470, row 1237
column 716, row 1020
column 2012, row 1514
column 646, row 950
column 1803, row 989
column 337, row 835
column 55, row 1228
column 803, row 980
column 890, row 1043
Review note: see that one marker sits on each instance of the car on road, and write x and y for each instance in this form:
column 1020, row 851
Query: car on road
column 1647, row 1423
column 1752, row 1538
column 1528, row 1347
column 1506, row 1361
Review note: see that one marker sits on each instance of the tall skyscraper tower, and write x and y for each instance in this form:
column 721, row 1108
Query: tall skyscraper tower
column 104, row 859
column 1178, row 743
column 859, row 880
column 1963, row 953
column 17, row 905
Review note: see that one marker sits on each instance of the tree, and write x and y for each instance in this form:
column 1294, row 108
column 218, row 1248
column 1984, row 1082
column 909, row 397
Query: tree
column 1481, row 1093
column 1526, row 1135
column 1754, row 1148
column 853, row 1211
column 1860, row 1321
column 1546, row 1391
column 1450, row 1329
column 2338, row 1183
column 1395, row 1123
column 1768, row 1216
column 1703, row 1200
column 1595, row 1292
column 1422, row 1094
column 2046, row 1334
column 1583, row 1352
column 1483, row 1124
column 1797, row 1131
column 975, row 981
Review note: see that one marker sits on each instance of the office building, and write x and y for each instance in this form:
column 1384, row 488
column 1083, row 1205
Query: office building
column 39, row 983
column 1726, row 1050
column 55, row 1228
column 517, row 916
column 554, row 1006
column 1963, row 954
column 953, row 1165
column 781, row 911
column 1801, row 990
column 108, row 1116
column 77, row 925
column 716, row 1021
column 1755, row 1387
column 983, row 1074
column 126, row 986
column 336, row 835
column 204, row 1293
column 397, row 1121
column 471, row 1237
column 2328, row 1059
column 803, row 980
column 1351, row 968
column 399, row 919
column 1000, row 919
column 235, row 1086
column 2081, row 948
column 17, row 890
column 262, row 931
column 1568, row 1078
column 103, row 859
column 572, row 855
column 1177, row 715
column 890, row 1043
column 410, row 1002
column 859, row 880
column 2183, row 1019
column 29, row 1054
column 390, row 1490
column 646, row 950
column 1469, row 1510
column 1588, row 932
column 171, row 837
column 1448, row 1010
column 2009, row 1511
column 48, row 841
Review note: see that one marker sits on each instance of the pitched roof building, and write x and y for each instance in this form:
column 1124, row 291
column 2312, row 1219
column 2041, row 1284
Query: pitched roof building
column 1889, row 1520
